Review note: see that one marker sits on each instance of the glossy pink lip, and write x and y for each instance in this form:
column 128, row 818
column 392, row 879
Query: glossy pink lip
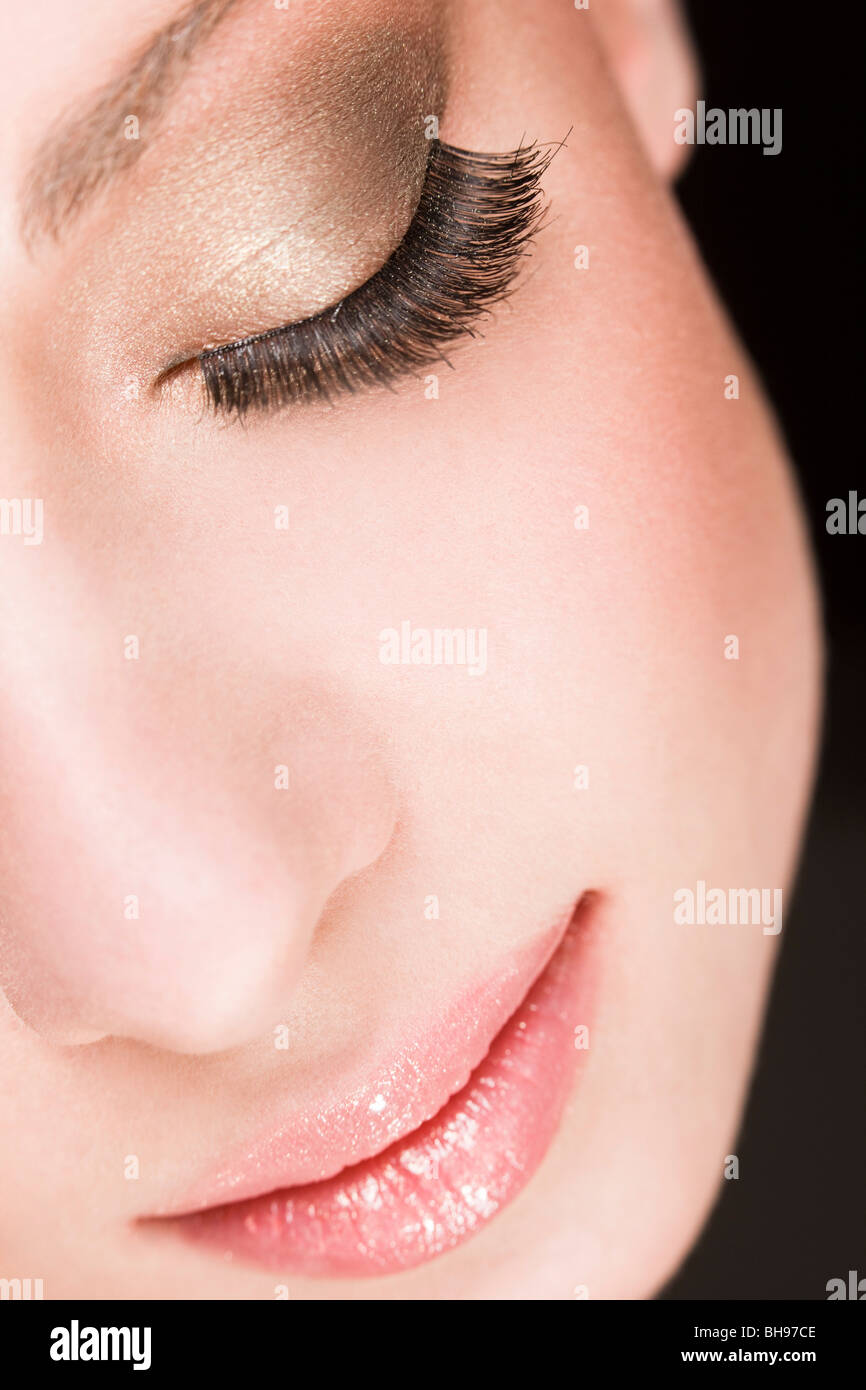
column 401, row 1172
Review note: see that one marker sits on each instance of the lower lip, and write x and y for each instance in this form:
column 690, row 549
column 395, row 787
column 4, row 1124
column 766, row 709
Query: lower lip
column 443, row 1183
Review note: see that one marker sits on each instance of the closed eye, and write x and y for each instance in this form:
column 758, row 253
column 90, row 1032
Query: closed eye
column 474, row 220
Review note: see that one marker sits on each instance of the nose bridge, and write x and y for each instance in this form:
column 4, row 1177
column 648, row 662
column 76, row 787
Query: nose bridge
column 168, row 852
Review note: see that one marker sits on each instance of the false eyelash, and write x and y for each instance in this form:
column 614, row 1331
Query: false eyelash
column 475, row 218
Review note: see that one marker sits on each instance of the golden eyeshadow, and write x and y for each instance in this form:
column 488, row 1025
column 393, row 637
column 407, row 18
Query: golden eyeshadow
column 475, row 220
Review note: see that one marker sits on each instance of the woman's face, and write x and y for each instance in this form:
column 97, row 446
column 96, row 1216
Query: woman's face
column 273, row 878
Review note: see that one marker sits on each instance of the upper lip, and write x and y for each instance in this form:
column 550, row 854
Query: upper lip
column 389, row 1099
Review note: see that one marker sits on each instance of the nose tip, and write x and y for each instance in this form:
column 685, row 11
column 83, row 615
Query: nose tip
column 209, row 956
column 184, row 922
column 219, row 976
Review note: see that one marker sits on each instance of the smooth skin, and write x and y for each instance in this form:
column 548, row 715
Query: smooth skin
column 152, row 778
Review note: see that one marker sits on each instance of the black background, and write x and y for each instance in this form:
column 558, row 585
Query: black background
column 781, row 236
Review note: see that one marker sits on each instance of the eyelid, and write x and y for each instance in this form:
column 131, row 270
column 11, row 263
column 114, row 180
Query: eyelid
column 475, row 219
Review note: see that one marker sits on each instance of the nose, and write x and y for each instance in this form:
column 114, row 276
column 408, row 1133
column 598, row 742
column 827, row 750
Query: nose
column 168, row 850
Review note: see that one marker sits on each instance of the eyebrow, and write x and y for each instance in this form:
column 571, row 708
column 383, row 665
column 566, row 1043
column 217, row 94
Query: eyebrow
column 89, row 147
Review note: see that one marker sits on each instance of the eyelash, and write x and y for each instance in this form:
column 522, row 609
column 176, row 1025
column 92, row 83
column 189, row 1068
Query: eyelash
column 475, row 218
